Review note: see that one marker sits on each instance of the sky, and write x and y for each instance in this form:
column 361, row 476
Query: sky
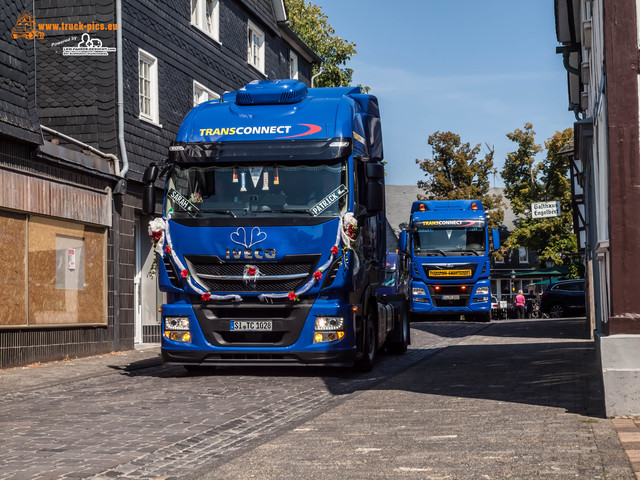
column 478, row 69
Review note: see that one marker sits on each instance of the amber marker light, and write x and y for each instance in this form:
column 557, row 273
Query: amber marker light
column 318, row 337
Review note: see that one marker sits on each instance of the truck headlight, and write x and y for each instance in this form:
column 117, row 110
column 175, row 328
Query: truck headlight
column 482, row 291
column 418, row 291
column 177, row 329
column 329, row 323
column 328, row 329
column 176, row 323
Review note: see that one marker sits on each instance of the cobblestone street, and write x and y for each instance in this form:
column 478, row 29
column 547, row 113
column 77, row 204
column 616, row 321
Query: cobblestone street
column 161, row 421
column 510, row 399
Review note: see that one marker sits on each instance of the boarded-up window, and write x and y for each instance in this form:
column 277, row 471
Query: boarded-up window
column 66, row 272
column 57, row 272
column 13, row 245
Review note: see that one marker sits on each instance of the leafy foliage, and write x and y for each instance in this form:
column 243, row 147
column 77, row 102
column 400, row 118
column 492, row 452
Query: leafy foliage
column 311, row 25
column 528, row 181
column 455, row 172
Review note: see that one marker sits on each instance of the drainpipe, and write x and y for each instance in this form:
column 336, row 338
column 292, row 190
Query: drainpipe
column 122, row 184
column 123, row 147
column 317, row 75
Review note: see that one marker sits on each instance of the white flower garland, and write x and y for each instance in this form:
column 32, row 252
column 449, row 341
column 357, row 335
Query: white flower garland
column 347, row 235
column 162, row 226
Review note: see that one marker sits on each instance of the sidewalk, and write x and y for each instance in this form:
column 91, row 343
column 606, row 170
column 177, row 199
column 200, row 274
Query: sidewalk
column 31, row 377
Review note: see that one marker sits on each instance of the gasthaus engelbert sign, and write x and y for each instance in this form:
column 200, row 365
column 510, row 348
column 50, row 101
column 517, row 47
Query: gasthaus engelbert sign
column 545, row 209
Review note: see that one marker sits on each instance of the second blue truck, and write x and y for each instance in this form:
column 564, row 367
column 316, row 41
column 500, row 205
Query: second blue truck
column 446, row 253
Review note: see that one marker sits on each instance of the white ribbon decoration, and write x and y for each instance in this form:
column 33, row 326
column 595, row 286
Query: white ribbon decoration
column 307, row 286
column 162, row 225
column 178, row 263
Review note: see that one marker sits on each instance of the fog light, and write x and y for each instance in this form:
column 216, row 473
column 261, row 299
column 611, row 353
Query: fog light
column 323, row 337
column 421, row 300
column 480, row 299
column 418, row 291
column 482, row 291
column 329, row 323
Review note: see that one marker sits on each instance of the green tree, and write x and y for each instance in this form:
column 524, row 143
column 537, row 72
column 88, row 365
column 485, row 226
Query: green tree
column 311, row 25
column 527, row 181
column 455, row 172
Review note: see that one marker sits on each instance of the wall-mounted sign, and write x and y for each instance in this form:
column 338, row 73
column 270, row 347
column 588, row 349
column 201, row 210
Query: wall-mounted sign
column 545, row 209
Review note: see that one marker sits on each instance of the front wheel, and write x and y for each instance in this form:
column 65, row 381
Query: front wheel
column 399, row 347
column 556, row 311
column 370, row 347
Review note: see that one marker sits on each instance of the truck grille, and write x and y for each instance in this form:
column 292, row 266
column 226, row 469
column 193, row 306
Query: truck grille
column 462, row 291
column 288, row 274
column 287, row 319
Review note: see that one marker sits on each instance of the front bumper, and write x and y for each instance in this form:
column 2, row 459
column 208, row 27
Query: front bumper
column 290, row 342
column 340, row 358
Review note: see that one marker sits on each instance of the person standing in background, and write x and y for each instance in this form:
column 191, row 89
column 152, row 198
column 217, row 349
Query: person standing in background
column 520, row 301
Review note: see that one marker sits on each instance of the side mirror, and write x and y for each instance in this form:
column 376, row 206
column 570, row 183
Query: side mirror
column 150, row 174
column 496, row 239
column 375, row 197
column 402, row 241
column 149, row 199
column 375, row 171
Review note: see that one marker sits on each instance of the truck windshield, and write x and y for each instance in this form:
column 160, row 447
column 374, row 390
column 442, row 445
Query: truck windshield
column 257, row 190
column 438, row 241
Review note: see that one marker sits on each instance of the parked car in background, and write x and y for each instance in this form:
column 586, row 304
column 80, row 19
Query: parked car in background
column 564, row 298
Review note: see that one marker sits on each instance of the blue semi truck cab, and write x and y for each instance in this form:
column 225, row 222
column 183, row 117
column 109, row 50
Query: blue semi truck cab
column 271, row 244
column 446, row 253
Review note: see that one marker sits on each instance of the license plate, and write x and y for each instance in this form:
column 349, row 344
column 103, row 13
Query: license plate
column 451, row 297
column 251, row 326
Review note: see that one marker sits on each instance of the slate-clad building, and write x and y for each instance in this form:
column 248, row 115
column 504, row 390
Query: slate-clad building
column 77, row 153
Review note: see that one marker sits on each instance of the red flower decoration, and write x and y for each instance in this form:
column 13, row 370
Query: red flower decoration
column 293, row 296
column 317, row 275
column 206, row 296
column 251, row 270
column 334, row 250
column 184, row 274
column 167, row 249
column 156, row 236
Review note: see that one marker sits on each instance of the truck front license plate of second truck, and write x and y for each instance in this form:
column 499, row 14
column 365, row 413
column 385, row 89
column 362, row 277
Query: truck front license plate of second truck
column 251, row 326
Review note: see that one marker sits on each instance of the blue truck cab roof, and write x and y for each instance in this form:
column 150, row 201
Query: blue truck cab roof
column 286, row 111
column 447, row 210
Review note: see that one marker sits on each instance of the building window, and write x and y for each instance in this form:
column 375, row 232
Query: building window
column 59, row 271
column 205, row 14
column 202, row 94
column 256, row 47
column 148, row 86
column 523, row 255
column 293, row 65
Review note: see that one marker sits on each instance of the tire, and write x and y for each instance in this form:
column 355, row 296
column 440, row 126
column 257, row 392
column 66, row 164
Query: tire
column 556, row 311
column 484, row 317
column 399, row 347
column 370, row 345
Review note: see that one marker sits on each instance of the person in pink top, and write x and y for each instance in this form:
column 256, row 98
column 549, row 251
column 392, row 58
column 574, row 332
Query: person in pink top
column 520, row 301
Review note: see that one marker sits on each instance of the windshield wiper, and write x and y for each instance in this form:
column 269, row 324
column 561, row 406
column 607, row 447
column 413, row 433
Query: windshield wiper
column 468, row 250
column 221, row 212
column 286, row 210
column 436, row 250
